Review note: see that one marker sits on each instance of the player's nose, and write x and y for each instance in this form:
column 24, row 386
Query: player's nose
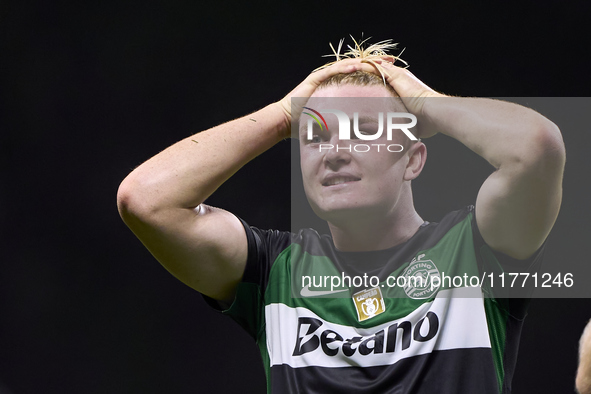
column 339, row 151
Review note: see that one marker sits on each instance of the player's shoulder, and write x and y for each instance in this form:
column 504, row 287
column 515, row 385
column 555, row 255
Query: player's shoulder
column 451, row 219
column 457, row 215
column 313, row 242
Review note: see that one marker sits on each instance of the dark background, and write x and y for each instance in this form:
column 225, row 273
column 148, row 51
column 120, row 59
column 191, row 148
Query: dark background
column 90, row 90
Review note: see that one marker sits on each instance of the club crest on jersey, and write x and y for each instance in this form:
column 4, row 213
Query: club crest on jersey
column 419, row 278
column 368, row 303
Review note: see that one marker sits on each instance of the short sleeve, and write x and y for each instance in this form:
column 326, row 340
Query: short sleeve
column 248, row 307
column 506, row 278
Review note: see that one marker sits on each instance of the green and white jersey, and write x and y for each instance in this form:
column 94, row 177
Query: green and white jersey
column 414, row 337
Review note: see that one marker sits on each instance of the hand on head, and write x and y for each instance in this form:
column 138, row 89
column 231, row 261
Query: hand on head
column 307, row 87
column 411, row 90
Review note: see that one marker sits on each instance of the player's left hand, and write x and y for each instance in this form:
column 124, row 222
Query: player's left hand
column 414, row 94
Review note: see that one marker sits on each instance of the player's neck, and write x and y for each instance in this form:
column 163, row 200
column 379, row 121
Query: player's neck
column 365, row 234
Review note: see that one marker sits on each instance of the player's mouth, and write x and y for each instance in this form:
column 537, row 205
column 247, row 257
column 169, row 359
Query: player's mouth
column 338, row 179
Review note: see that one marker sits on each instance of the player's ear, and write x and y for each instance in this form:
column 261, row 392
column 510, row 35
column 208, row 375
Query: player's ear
column 417, row 155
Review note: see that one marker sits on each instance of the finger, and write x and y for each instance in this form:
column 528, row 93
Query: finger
column 389, row 58
column 341, row 67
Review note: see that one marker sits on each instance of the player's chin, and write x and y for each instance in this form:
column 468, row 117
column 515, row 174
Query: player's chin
column 340, row 211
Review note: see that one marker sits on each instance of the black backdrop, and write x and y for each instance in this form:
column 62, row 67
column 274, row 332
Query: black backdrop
column 90, row 90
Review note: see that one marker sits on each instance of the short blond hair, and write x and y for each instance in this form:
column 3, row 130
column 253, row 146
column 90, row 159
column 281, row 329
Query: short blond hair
column 367, row 54
column 358, row 78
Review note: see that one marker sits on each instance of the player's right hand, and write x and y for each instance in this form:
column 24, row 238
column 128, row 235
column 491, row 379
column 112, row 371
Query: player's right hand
column 307, row 87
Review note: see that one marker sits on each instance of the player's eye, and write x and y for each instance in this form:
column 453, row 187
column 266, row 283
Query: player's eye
column 316, row 139
column 363, row 132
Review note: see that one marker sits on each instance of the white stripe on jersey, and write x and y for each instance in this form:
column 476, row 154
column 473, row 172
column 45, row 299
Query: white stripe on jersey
column 459, row 314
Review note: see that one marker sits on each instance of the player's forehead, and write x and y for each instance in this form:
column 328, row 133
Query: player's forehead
column 350, row 90
column 365, row 103
column 354, row 98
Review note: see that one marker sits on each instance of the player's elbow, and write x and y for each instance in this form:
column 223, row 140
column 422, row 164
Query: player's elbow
column 132, row 201
column 125, row 199
column 547, row 146
column 539, row 153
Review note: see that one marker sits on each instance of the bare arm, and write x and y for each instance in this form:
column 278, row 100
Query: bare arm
column 162, row 200
column 518, row 204
column 583, row 380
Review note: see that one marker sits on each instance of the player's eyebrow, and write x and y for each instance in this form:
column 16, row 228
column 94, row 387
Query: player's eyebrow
column 363, row 119
column 366, row 119
column 304, row 128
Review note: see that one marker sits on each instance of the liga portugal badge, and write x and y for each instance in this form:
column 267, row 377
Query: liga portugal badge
column 368, row 303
